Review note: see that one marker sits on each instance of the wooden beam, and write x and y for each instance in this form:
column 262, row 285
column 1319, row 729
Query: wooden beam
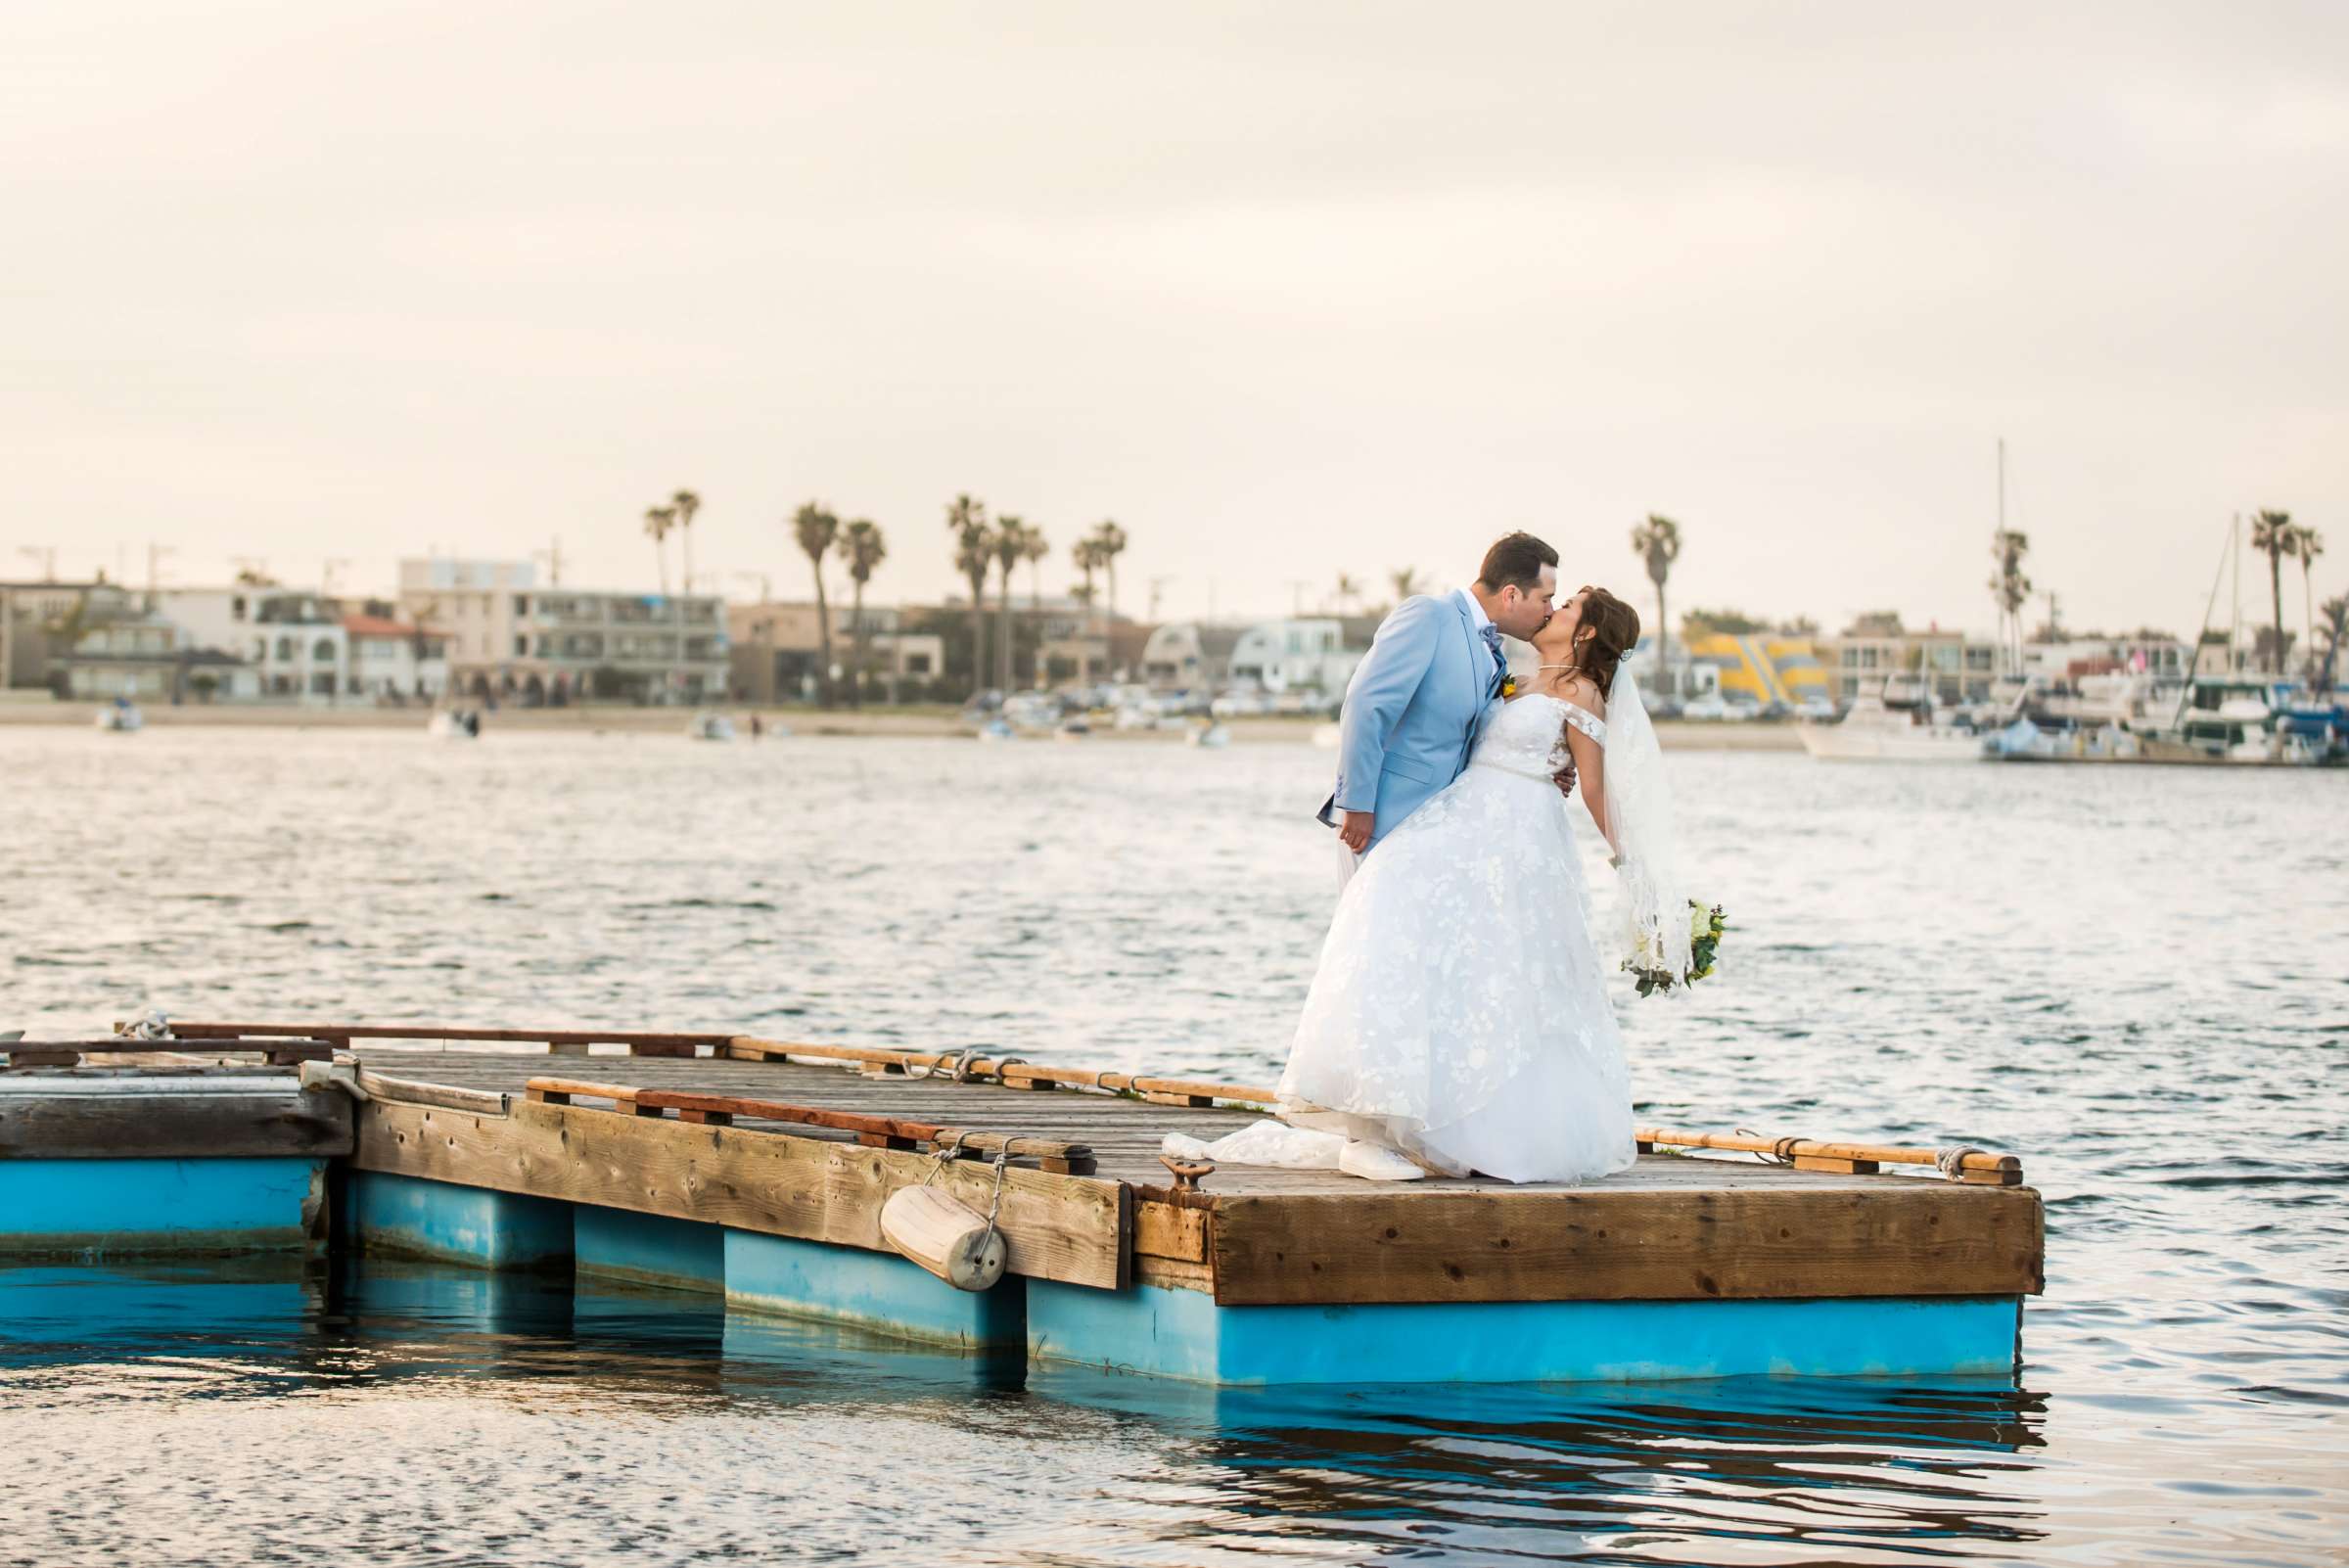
column 2001, row 1169
column 1065, row 1228
column 1896, row 1238
column 877, row 1131
column 236, row 1123
column 181, row 1029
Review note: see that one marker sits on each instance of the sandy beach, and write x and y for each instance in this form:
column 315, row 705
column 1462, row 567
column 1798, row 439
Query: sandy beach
column 801, row 723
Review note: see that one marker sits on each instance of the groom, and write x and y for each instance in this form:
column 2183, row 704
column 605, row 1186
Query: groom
column 1418, row 697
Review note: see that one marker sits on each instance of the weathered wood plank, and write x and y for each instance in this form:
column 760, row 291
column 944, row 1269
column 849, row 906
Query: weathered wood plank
column 1894, row 1238
column 1166, row 1230
column 233, row 1123
column 1065, row 1228
column 415, row 1091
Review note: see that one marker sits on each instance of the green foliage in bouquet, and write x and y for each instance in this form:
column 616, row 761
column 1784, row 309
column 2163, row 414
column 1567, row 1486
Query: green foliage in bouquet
column 1704, row 927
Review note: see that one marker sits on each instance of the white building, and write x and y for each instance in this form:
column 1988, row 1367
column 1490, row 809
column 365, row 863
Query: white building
column 1310, row 656
column 292, row 637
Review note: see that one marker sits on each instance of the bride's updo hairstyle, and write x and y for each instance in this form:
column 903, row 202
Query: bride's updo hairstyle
column 1608, row 632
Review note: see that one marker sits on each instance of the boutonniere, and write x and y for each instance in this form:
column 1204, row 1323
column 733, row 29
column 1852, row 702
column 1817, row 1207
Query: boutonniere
column 1508, row 686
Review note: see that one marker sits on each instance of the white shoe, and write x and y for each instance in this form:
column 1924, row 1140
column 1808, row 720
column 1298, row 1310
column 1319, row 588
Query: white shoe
column 1374, row 1162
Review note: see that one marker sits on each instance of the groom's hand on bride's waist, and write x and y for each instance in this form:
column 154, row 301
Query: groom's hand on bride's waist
column 1354, row 830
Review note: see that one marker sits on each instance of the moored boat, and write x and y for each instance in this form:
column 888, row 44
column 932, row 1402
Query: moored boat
column 1876, row 730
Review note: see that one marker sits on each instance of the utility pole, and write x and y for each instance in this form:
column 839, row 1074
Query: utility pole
column 46, row 554
column 1158, row 588
column 154, row 559
column 2054, row 626
column 766, row 582
column 553, row 557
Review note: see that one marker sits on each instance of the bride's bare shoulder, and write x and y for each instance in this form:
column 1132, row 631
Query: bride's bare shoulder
column 1582, row 692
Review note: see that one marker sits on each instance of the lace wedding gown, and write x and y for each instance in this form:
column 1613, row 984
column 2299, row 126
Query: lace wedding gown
column 1460, row 1012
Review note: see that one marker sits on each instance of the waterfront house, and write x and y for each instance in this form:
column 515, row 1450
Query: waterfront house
column 292, row 637
column 394, row 660
column 1189, row 655
column 1313, row 657
column 776, row 648
column 40, row 623
column 147, row 659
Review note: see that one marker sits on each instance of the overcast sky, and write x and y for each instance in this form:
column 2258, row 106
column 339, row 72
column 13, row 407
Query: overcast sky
column 1284, row 289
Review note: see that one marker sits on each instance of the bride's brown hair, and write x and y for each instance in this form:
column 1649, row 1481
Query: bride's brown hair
column 1608, row 632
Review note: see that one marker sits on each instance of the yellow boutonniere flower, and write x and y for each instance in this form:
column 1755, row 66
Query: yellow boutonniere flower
column 1509, row 685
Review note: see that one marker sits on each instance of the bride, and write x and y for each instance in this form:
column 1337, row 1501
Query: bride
column 1460, row 1013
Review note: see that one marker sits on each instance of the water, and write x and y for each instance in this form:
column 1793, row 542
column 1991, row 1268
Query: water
column 2134, row 979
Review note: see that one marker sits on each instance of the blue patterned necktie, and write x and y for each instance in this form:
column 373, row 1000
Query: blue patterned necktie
column 1493, row 641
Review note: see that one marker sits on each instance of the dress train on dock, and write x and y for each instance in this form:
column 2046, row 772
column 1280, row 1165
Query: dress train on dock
column 1460, row 1011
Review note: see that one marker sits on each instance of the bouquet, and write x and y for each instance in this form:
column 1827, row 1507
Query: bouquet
column 1704, row 927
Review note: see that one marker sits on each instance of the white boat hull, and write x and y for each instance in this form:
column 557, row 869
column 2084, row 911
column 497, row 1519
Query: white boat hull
column 1848, row 743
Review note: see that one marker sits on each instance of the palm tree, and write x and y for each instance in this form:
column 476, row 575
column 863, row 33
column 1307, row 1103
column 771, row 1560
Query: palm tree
column 818, row 530
column 2274, row 536
column 2308, row 545
column 860, row 542
column 1011, row 548
column 1349, row 592
column 1034, row 550
column 1406, row 581
column 1109, row 542
column 1086, row 557
column 1658, row 539
column 658, row 520
column 684, row 504
column 2008, row 586
column 2337, row 622
column 974, row 553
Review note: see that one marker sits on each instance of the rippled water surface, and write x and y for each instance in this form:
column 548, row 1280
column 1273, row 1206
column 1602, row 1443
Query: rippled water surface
column 2139, row 980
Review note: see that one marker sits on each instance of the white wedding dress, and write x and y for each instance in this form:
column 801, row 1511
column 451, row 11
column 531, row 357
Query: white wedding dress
column 1460, row 1012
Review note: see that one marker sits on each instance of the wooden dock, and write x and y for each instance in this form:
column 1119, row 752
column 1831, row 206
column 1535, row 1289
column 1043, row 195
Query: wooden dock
column 722, row 1163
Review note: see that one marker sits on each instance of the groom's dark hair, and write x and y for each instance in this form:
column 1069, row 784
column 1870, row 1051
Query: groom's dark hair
column 1515, row 560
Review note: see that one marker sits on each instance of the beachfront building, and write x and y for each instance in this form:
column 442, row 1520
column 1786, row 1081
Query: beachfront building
column 776, row 650
column 39, row 622
column 1313, row 657
column 293, row 638
column 146, row 658
column 395, row 660
column 507, row 639
column 1762, row 669
column 1189, row 655
column 1959, row 668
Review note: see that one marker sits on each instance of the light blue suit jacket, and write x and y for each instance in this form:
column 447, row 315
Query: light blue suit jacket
column 1412, row 712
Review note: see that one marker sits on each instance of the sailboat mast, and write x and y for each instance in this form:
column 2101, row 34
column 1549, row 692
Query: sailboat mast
column 2010, row 648
column 2235, row 620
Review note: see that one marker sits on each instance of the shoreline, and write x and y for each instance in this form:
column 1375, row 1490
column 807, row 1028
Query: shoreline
column 802, row 723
